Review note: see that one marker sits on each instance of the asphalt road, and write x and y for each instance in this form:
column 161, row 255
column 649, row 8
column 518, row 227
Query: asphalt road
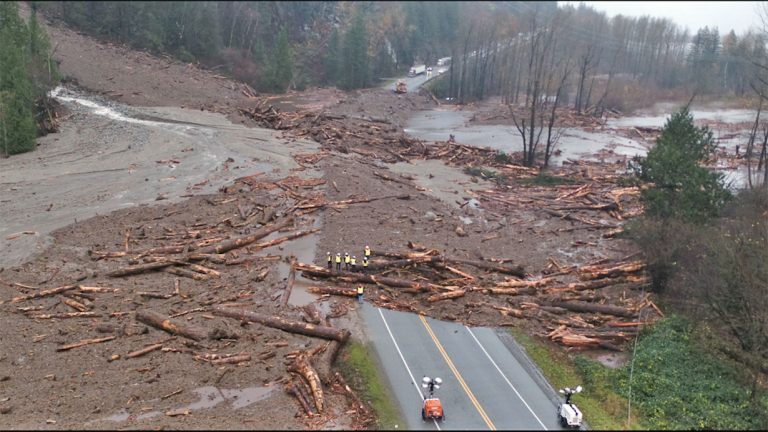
column 413, row 83
column 485, row 387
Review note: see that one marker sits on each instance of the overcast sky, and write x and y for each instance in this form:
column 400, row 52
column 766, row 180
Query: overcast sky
column 726, row 16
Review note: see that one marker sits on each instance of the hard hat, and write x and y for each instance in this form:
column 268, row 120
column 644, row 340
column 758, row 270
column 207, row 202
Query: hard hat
column 354, row 256
column 366, row 246
column 337, row 253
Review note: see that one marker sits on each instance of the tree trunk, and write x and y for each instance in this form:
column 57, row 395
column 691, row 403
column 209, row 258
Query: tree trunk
column 159, row 321
column 246, row 240
column 285, row 325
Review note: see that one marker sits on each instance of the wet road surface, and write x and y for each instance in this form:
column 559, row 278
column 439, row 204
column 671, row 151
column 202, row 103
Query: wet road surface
column 485, row 387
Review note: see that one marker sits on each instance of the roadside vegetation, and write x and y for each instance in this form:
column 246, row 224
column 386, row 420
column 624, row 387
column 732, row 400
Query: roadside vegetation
column 676, row 383
column 361, row 369
column 27, row 73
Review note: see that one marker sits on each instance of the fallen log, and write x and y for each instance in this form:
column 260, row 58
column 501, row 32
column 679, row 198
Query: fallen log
column 44, row 293
column 292, row 236
column 293, row 390
column 596, row 284
column 314, row 270
column 67, row 315
column 84, row 342
column 446, row 295
column 312, row 314
column 145, row 350
column 526, row 283
column 347, row 292
column 159, row 321
column 351, row 201
column 75, row 305
column 577, row 306
column 140, row 268
column 186, row 273
column 379, row 265
column 246, row 240
column 302, row 367
column 235, row 359
column 289, row 284
column 518, row 271
column 285, row 325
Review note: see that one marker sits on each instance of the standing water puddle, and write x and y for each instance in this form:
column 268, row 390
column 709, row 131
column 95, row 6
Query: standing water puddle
column 575, row 143
column 208, row 397
column 303, row 248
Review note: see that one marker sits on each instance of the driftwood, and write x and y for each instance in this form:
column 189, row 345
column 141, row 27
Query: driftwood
column 246, row 240
column 67, row 315
column 84, row 342
column 140, row 268
column 577, row 306
column 235, row 359
column 145, row 350
column 186, row 273
column 358, row 277
column 618, row 270
column 293, row 390
column 159, row 321
column 302, row 367
column 518, row 271
column 312, row 314
column 350, row 201
column 289, row 284
column 45, row 293
column 277, row 241
column 347, row 292
column 286, row 325
column 446, row 295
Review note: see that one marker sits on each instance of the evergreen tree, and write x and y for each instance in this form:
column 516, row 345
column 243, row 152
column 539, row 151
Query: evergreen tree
column 332, row 59
column 280, row 67
column 682, row 189
column 17, row 125
column 355, row 72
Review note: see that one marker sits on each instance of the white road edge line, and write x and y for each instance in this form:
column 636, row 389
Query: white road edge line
column 421, row 395
column 505, row 377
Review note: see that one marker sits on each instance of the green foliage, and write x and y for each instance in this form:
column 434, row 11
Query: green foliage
column 603, row 408
column 17, row 124
column 355, row 73
column 280, row 67
column 678, row 386
column 681, row 187
column 332, row 59
column 544, row 179
column 486, row 174
column 359, row 366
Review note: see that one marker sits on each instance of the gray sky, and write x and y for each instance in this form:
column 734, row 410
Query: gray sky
column 736, row 15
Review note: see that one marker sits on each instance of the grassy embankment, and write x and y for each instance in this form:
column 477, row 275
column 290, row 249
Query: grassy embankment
column 360, row 368
column 677, row 383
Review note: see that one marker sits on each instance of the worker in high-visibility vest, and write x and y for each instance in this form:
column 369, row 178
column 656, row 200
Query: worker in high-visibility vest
column 346, row 261
column 360, row 290
column 367, row 252
column 330, row 261
column 365, row 264
column 338, row 262
column 353, row 263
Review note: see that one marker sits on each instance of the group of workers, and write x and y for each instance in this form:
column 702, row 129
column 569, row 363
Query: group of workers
column 350, row 261
column 350, row 264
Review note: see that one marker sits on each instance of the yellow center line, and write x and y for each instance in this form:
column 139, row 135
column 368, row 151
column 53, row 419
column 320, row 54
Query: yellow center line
column 458, row 375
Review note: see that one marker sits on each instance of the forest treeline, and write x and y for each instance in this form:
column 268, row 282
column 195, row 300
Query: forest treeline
column 275, row 46
column 27, row 73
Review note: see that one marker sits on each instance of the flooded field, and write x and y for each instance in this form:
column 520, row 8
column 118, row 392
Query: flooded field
column 730, row 128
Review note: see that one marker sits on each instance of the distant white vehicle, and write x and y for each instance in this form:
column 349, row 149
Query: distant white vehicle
column 445, row 61
column 417, row 70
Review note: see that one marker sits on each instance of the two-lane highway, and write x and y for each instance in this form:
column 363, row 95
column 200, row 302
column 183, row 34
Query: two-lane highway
column 484, row 386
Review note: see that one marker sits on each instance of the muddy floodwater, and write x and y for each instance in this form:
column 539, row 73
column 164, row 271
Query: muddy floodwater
column 109, row 156
column 580, row 144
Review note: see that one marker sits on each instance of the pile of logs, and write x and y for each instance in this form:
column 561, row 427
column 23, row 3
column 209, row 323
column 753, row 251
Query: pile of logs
column 578, row 306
